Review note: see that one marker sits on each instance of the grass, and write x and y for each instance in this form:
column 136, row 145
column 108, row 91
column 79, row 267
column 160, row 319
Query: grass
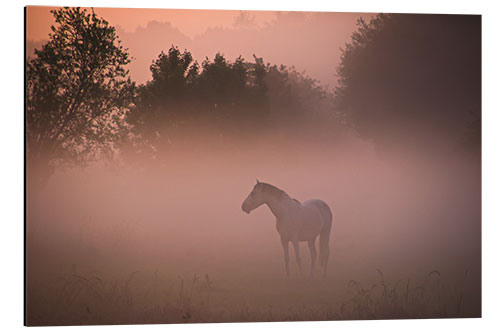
column 76, row 300
column 404, row 299
column 139, row 298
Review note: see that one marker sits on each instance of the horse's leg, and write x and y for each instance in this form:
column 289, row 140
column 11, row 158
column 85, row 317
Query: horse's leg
column 324, row 267
column 312, row 248
column 297, row 255
column 284, row 243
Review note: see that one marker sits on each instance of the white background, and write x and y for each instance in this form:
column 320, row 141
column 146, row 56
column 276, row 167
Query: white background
column 11, row 162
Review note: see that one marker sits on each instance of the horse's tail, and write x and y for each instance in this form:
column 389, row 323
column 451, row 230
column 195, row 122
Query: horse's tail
column 324, row 236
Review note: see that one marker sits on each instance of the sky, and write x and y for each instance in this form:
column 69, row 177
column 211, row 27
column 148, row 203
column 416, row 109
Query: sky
column 310, row 41
column 191, row 22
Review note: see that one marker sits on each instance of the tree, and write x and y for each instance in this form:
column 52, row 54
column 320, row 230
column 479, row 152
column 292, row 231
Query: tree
column 225, row 102
column 235, row 92
column 77, row 94
column 219, row 95
column 297, row 99
column 164, row 101
column 245, row 20
column 413, row 80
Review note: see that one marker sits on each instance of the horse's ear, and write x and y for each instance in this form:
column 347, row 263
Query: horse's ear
column 258, row 182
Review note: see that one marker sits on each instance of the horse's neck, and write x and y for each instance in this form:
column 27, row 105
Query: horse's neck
column 280, row 206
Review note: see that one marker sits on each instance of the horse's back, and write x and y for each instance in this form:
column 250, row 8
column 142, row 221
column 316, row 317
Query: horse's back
column 315, row 217
column 320, row 207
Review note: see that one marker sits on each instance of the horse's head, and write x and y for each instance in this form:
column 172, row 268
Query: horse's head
column 254, row 199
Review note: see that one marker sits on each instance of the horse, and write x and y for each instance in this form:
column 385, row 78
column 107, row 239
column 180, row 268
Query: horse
column 295, row 222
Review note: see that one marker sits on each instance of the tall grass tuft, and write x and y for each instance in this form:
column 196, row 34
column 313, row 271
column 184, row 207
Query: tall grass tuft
column 403, row 299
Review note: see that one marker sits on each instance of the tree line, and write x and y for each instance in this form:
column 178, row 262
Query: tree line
column 400, row 78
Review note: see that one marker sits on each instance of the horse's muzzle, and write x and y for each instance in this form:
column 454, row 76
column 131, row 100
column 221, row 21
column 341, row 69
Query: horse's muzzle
column 243, row 209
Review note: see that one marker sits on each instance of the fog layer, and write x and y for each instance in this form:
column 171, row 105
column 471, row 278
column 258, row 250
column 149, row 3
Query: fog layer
column 404, row 216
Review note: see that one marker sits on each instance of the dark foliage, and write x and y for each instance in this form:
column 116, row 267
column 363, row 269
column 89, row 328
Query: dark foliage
column 413, row 80
column 77, row 93
column 225, row 98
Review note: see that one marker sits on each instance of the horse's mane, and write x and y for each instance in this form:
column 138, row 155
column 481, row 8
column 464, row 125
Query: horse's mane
column 276, row 192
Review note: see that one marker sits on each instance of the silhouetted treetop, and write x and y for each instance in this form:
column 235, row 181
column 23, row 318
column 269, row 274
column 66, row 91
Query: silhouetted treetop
column 412, row 79
column 225, row 97
column 77, row 92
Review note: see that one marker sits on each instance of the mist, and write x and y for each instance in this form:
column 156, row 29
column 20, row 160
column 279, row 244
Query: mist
column 289, row 38
column 403, row 216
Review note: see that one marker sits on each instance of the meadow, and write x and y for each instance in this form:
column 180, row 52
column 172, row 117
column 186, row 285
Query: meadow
column 171, row 244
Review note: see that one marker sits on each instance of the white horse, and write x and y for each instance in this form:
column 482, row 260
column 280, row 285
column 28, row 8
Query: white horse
column 296, row 222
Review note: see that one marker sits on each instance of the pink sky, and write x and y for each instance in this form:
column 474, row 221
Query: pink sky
column 310, row 41
column 190, row 22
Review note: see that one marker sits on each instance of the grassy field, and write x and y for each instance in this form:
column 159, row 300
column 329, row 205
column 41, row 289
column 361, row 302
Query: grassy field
column 161, row 247
column 152, row 297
